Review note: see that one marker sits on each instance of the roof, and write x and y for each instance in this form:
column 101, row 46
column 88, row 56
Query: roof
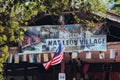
column 113, row 17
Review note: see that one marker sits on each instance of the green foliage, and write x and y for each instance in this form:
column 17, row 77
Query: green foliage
column 3, row 58
column 13, row 13
column 115, row 6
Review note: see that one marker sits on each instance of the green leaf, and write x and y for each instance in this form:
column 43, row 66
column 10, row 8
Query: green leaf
column 5, row 48
column 4, row 37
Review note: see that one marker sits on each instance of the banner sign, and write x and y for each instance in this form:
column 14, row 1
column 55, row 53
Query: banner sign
column 40, row 39
column 61, row 76
column 102, row 55
column 88, row 55
column 95, row 43
column 113, row 53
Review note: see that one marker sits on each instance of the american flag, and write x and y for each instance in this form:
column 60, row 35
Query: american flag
column 57, row 58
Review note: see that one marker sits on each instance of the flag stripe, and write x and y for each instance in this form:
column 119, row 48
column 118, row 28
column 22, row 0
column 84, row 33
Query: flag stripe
column 54, row 61
column 57, row 58
column 57, row 61
column 47, row 65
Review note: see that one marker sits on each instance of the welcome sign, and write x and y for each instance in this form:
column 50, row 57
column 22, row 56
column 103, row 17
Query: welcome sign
column 74, row 37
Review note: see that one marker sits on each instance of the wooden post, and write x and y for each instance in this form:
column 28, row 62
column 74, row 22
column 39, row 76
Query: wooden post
column 61, row 20
column 62, row 66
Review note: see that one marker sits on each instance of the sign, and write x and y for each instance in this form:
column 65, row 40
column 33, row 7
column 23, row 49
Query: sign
column 102, row 55
column 24, row 57
column 45, row 57
column 61, row 76
column 31, row 58
column 10, row 58
column 38, row 56
column 94, row 43
column 75, row 37
column 88, row 55
column 112, row 53
column 74, row 54
column 16, row 58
